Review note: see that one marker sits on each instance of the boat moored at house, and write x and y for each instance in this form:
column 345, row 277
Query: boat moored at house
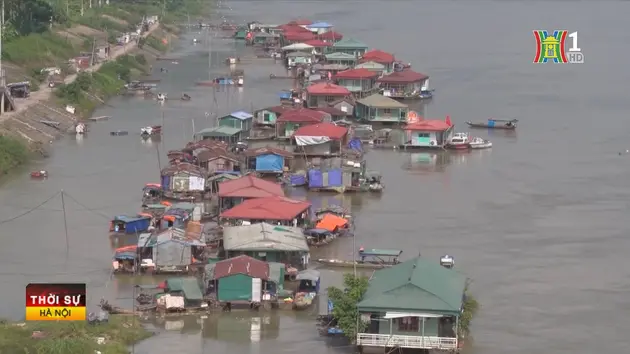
column 307, row 290
column 124, row 229
column 183, row 181
column 427, row 134
column 367, row 259
column 459, row 141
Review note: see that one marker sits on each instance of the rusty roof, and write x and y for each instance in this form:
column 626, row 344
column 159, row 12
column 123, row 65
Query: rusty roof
column 332, row 111
column 182, row 167
column 241, row 265
column 403, row 77
column 302, row 115
column 249, row 187
column 268, row 150
column 270, row 208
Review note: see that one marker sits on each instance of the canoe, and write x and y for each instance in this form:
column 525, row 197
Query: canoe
column 351, row 264
column 500, row 125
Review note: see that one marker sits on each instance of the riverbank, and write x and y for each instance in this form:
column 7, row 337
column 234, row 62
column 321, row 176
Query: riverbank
column 77, row 337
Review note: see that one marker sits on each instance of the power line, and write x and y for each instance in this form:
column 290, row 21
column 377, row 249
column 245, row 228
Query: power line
column 30, row 210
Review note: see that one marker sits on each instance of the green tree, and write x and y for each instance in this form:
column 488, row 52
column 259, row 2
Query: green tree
column 469, row 309
column 345, row 304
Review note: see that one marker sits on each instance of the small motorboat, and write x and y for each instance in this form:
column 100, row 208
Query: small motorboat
column 240, row 81
column 39, row 174
column 80, row 128
column 185, row 97
column 161, row 97
column 426, row 94
column 164, row 70
column 459, row 141
column 479, row 143
column 505, row 124
column 447, row 261
column 151, row 131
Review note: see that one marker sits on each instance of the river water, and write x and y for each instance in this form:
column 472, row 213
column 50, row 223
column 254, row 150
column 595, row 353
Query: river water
column 539, row 223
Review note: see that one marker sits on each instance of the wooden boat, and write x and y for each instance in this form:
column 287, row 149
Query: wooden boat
column 185, row 97
column 39, row 174
column 119, row 133
column 478, row 143
column 368, row 259
column 151, row 131
column 495, row 124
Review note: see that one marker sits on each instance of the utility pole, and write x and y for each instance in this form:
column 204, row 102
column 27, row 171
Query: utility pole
column 2, row 83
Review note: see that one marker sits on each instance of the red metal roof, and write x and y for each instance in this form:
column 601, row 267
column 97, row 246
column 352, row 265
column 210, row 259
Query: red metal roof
column 249, row 187
column 293, row 28
column 318, row 43
column 405, row 76
column 298, row 36
column 301, row 22
column 433, row 125
column 356, row 74
column 241, row 265
column 267, row 150
column 330, row 36
column 279, row 109
column 270, row 208
column 302, row 115
column 328, row 89
column 332, row 111
column 378, row 56
column 323, row 129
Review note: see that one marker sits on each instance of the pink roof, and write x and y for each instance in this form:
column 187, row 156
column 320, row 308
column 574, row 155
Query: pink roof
column 298, row 36
column 302, row 115
column 356, row 74
column 270, row 208
column 241, row 265
column 378, row 56
column 323, row 129
column 326, row 88
column 249, row 187
column 318, row 43
column 330, row 36
column 402, row 77
column 429, row 126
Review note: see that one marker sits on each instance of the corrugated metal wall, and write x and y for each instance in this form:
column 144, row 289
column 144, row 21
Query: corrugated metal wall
column 235, row 287
column 172, row 254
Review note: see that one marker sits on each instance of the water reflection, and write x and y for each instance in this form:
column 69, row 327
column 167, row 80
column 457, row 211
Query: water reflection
column 429, row 161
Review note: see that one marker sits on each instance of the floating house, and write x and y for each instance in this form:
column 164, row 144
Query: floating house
column 319, row 27
column 183, row 181
column 214, row 181
column 430, row 134
column 292, row 120
column 168, row 252
column 350, row 46
column 297, row 47
column 268, row 160
column 320, row 95
column 372, row 66
column 298, row 58
column 340, row 58
column 180, row 293
column 240, row 120
column 329, row 68
column 345, row 104
column 275, row 209
column 377, row 108
column 337, row 175
column 224, row 134
column 406, row 84
column 380, row 57
column 123, row 224
column 296, row 37
column 360, row 82
column 323, row 140
column 267, row 242
column 318, row 45
column 330, row 37
column 268, row 116
column 415, row 304
column 335, row 114
column 262, row 38
column 215, row 160
column 234, row 192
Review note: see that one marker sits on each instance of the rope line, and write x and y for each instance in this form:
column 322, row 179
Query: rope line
column 29, row 210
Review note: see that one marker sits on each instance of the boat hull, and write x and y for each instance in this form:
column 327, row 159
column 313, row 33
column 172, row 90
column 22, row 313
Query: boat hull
column 348, row 264
column 458, row 146
column 487, row 126
column 480, row 146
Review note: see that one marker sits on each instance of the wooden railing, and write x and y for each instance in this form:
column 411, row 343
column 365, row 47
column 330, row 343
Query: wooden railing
column 394, row 340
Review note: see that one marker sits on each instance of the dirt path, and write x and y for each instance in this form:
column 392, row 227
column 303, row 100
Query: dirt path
column 45, row 93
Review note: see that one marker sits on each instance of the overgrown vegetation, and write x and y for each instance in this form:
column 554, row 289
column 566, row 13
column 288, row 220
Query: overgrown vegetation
column 154, row 43
column 13, row 152
column 76, row 337
column 38, row 50
column 469, row 310
column 345, row 304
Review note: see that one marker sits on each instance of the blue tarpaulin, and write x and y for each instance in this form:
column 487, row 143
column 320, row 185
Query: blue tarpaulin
column 285, row 95
column 335, row 177
column 269, row 163
column 490, row 123
column 298, row 180
column 355, row 144
column 125, row 255
column 166, row 181
column 315, row 178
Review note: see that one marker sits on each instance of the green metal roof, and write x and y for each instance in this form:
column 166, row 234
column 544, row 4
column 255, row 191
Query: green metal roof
column 218, row 132
column 418, row 285
column 350, row 44
column 189, row 286
column 340, row 56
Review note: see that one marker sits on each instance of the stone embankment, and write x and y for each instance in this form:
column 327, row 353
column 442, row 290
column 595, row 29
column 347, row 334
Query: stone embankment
column 25, row 122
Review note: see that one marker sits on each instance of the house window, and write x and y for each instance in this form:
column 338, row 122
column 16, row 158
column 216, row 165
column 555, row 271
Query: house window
column 267, row 117
column 330, row 98
column 409, row 324
column 387, row 111
column 220, row 165
column 423, row 135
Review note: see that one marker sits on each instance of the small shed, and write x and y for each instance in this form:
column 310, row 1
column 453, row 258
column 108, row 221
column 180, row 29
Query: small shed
column 268, row 159
column 216, row 160
column 324, row 139
column 228, row 135
column 183, row 178
column 188, row 287
column 129, row 224
column 267, row 242
column 345, row 104
column 431, row 134
column 232, row 193
column 378, row 108
column 268, row 116
column 277, row 210
column 241, row 120
column 238, row 279
column 169, row 250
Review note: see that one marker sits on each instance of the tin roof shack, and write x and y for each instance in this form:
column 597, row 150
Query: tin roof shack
column 124, row 230
column 350, row 46
column 240, row 120
column 183, row 181
column 372, row 66
column 268, row 116
column 337, row 175
column 234, row 192
column 320, row 95
column 241, row 281
column 178, row 215
column 276, row 210
column 377, row 108
column 406, row 84
column 292, row 120
column 338, row 58
column 380, row 57
column 216, row 160
column 335, row 114
column 168, row 252
column 298, row 58
column 225, row 134
column 180, row 293
column 361, row 82
column 414, row 304
column 267, row 242
column 345, row 104
column 268, row 160
column 427, row 134
column 324, row 140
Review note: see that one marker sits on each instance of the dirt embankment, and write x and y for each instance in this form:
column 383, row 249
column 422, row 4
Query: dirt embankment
column 40, row 118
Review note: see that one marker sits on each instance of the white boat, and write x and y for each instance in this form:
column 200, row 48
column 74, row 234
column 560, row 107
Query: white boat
column 479, row 143
column 161, row 97
column 459, row 141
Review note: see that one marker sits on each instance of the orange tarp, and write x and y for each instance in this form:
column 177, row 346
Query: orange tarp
column 331, row 222
column 127, row 248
